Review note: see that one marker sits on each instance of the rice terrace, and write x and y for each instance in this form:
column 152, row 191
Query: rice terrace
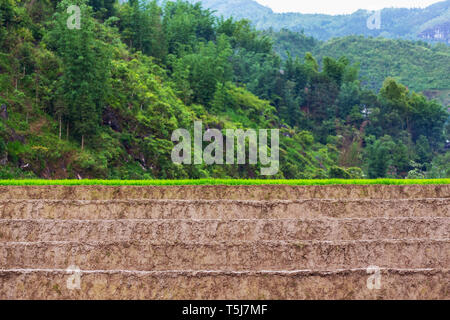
column 299, row 239
column 224, row 158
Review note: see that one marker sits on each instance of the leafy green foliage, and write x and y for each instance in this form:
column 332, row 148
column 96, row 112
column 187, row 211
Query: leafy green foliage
column 83, row 85
column 102, row 101
column 419, row 65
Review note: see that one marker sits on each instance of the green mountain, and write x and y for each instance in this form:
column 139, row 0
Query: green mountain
column 429, row 23
column 417, row 64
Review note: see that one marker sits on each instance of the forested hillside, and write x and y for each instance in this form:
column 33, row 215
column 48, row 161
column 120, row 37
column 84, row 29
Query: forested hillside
column 102, row 101
column 418, row 64
column 429, row 23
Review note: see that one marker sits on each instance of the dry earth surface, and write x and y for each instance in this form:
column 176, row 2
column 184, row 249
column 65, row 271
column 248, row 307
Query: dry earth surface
column 225, row 242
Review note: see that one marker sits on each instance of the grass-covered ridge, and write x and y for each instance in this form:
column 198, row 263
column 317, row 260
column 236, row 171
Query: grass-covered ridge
column 299, row 182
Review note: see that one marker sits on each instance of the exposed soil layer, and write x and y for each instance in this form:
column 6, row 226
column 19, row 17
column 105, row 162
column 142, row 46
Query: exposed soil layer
column 222, row 209
column 188, row 230
column 346, row 284
column 261, row 192
column 237, row 256
column 225, row 242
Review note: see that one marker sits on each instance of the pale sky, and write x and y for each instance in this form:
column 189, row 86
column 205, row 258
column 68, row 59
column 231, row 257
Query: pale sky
column 340, row 6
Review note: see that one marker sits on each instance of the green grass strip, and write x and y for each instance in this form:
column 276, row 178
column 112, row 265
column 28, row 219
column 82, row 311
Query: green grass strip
column 42, row 182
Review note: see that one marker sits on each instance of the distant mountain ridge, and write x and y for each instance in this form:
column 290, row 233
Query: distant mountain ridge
column 439, row 32
column 430, row 23
column 422, row 66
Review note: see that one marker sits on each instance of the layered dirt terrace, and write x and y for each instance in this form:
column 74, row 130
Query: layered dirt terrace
column 225, row 242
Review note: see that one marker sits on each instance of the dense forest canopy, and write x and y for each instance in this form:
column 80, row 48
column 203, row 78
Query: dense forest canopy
column 419, row 65
column 102, row 101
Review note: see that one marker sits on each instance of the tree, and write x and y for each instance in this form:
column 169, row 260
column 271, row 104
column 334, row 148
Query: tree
column 335, row 69
column 386, row 157
column 428, row 119
column 186, row 24
column 84, row 82
column 103, row 8
column 379, row 156
column 206, row 69
column 423, row 150
column 142, row 29
column 395, row 106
